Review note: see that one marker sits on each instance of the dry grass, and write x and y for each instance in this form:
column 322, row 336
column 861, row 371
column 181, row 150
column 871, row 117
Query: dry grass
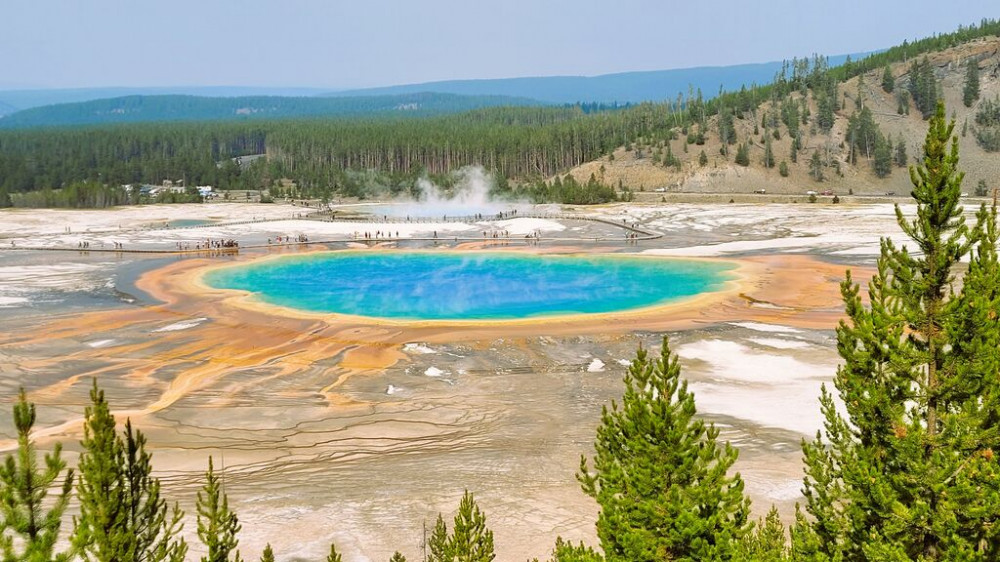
column 722, row 175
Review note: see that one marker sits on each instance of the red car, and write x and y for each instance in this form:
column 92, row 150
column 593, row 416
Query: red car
column 827, row 192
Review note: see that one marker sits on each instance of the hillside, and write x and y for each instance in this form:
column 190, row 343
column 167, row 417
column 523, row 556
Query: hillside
column 625, row 87
column 135, row 109
column 17, row 100
column 637, row 166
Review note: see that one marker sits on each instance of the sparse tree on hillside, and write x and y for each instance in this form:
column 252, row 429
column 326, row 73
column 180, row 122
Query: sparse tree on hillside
column 783, row 169
column 660, row 476
column 816, row 166
column 29, row 531
column 882, row 161
column 888, row 80
column 268, row 555
column 702, row 158
column 768, row 154
column 900, row 158
column 743, row 154
column 909, row 471
column 970, row 91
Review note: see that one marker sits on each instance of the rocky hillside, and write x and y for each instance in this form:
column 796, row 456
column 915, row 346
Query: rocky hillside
column 641, row 166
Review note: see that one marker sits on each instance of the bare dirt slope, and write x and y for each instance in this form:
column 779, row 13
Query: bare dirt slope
column 636, row 169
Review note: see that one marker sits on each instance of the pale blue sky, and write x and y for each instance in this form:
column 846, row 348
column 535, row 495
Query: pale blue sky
column 340, row 44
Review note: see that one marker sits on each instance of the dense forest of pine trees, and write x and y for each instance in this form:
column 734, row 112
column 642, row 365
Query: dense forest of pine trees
column 327, row 158
column 906, row 469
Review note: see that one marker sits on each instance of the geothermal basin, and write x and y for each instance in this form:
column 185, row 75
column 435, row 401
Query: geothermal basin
column 469, row 285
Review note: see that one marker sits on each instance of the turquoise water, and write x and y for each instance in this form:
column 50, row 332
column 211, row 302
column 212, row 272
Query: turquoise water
column 466, row 286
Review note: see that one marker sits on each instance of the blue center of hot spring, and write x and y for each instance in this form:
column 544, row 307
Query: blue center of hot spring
column 469, row 286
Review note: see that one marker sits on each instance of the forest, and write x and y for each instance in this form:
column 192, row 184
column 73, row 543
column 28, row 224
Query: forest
column 521, row 146
column 905, row 469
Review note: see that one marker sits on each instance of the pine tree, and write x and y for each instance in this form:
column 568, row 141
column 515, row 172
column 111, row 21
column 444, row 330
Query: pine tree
column 783, row 169
column 334, row 556
column 566, row 551
column 768, row 154
column 767, row 542
column 217, row 525
column 910, row 471
column 743, row 154
column 970, row 91
column 888, row 81
column 100, row 531
column 5, row 200
column 397, row 557
column 816, row 166
column 702, row 158
column 24, row 522
column 438, row 545
column 882, row 161
column 659, row 474
column 471, row 540
column 900, row 157
column 122, row 515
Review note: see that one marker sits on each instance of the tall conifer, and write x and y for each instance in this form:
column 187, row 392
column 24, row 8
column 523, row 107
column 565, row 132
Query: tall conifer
column 908, row 471
column 122, row 515
column 660, row 476
column 218, row 526
column 28, row 529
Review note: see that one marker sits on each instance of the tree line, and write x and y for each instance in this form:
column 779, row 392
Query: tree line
column 522, row 145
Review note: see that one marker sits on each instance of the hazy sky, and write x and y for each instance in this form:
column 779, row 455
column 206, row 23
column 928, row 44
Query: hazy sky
column 347, row 44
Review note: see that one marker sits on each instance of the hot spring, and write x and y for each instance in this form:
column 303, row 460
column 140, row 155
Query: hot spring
column 469, row 286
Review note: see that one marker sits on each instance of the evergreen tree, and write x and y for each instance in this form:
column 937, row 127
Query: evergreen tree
column 882, row 161
column 743, row 154
column 702, row 158
column 29, row 532
column 100, row 533
column 122, row 515
column 334, row 556
column 768, row 154
column 217, row 525
column 900, row 158
column 888, row 81
column 909, row 472
column 659, row 474
column 816, row 166
column 438, row 545
column 397, row 557
column 767, row 542
column 970, row 91
column 566, row 551
column 5, row 200
column 783, row 169
column 471, row 540
column 268, row 555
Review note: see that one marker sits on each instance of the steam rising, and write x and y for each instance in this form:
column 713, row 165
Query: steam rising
column 471, row 195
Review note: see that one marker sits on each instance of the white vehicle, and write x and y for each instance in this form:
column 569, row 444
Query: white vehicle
column 811, row 192
column 660, row 190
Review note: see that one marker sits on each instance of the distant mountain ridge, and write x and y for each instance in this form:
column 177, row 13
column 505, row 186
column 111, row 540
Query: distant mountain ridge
column 17, row 100
column 174, row 108
column 624, row 87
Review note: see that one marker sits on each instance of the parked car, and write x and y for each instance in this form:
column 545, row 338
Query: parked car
column 827, row 192
column 811, row 192
column 660, row 190
column 760, row 191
